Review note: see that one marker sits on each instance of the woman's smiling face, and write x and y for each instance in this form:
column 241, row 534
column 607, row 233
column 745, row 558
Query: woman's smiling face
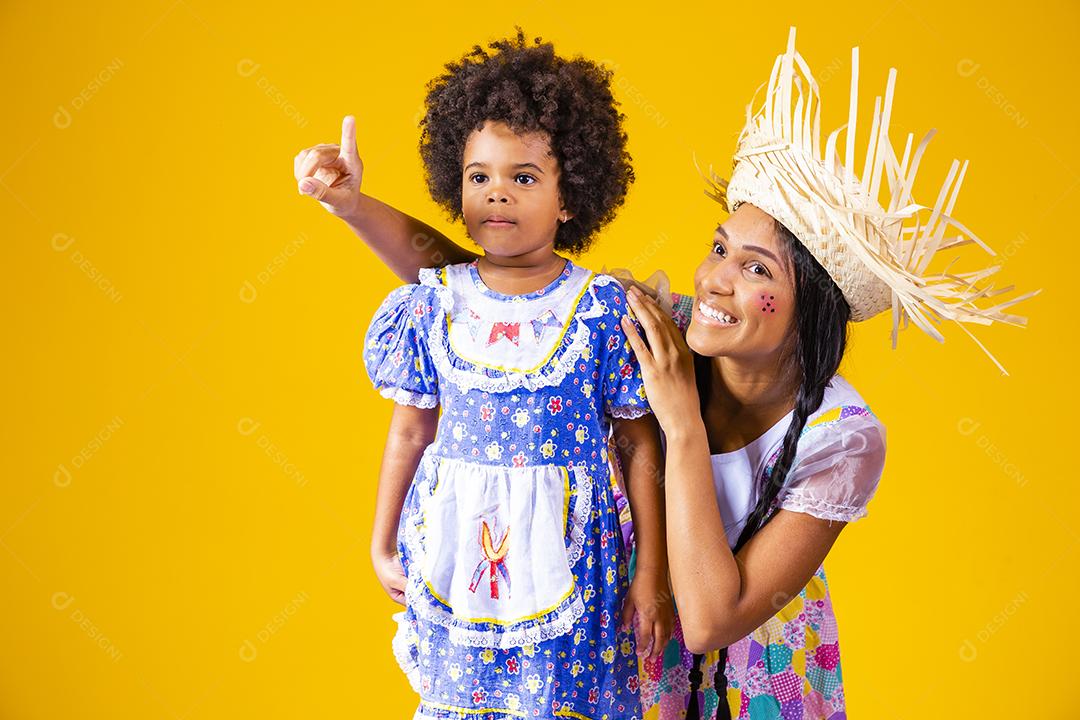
column 744, row 305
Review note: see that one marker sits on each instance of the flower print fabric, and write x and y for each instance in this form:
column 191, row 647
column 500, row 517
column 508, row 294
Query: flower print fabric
column 510, row 532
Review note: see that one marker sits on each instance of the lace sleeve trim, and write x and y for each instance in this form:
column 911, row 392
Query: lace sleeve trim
column 407, row 397
column 797, row 501
column 628, row 412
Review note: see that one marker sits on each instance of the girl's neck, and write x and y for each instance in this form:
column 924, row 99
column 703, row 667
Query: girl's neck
column 746, row 398
column 520, row 274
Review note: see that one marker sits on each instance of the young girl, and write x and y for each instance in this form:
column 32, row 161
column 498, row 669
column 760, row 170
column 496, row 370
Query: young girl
column 496, row 522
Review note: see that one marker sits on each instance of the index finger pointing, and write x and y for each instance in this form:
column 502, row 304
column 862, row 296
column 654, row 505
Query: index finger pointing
column 348, row 137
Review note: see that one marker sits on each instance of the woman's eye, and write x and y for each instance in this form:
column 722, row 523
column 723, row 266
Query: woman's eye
column 525, row 179
column 718, row 248
column 759, row 269
column 477, row 177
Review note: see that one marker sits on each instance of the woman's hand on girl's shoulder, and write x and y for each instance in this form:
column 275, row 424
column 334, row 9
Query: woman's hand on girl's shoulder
column 667, row 365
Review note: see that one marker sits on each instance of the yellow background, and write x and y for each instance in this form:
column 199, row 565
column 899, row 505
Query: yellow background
column 192, row 443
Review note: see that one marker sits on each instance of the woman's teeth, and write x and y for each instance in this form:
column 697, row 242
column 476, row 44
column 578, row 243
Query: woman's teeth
column 715, row 314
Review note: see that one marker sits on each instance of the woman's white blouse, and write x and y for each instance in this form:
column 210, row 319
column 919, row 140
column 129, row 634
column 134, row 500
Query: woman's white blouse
column 838, row 463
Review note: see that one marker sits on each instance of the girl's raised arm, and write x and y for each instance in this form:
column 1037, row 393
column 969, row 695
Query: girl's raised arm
column 332, row 174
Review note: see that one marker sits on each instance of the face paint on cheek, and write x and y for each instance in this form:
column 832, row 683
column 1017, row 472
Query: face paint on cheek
column 769, row 305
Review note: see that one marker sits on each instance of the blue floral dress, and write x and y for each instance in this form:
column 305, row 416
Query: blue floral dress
column 510, row 535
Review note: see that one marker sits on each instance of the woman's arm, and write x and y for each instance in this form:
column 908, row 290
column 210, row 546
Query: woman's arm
column 332, row 174
column 411, row 431
column 637, row 443
column 722, row 597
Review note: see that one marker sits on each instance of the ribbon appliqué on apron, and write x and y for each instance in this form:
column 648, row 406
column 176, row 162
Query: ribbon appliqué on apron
column 494, row 561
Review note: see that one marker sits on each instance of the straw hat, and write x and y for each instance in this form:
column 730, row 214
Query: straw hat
column 870, row 235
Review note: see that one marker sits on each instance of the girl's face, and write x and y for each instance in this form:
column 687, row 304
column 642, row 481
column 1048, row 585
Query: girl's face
column 745, row 291
column 510, row 192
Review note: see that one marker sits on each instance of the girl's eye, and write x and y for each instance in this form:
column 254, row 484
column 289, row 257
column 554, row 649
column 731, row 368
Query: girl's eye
column 759, row 269
column 477, row 177
column 525, row 179
column 718, row 248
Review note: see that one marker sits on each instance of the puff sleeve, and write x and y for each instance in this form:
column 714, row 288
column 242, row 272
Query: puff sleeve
column 623, row 388
column 837, row 467
column 396, row 354
column 682, row 308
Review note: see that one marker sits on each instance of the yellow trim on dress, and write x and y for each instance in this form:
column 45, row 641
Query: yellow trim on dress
column 496, row 621
column 570, row 714
column 566, row 498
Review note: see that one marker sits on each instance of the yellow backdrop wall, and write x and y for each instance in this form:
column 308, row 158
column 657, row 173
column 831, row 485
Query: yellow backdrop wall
column 192, row 443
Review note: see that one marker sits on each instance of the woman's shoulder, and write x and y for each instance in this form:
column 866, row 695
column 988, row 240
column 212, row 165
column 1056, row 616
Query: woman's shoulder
column 842, row 402
column 843, row 426
column 839, row 460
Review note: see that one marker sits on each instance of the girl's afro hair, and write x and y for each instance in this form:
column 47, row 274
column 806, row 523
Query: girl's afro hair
column 531, row 89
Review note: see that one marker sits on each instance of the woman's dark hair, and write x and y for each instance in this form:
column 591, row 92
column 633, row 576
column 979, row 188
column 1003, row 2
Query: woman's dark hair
column 818, row 343
column 817, row 346
column 531, row 89
column 820, row 338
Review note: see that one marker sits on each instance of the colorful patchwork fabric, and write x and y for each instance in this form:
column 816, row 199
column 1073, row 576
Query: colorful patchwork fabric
column 788, row 668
